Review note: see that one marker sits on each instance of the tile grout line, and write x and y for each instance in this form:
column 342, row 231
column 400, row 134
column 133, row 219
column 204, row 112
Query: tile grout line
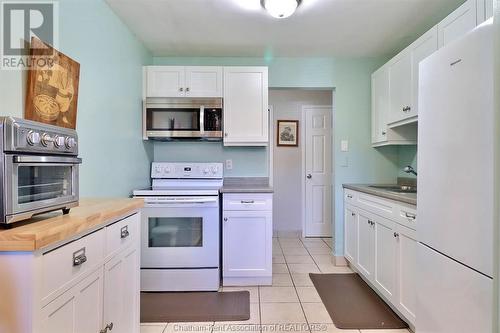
column 315, row 263
column 295, row 288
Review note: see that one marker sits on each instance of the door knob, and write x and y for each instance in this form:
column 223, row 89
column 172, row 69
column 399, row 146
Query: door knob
column 309, row 176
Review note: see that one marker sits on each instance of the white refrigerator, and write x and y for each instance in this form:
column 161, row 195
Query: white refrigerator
column 455, row 187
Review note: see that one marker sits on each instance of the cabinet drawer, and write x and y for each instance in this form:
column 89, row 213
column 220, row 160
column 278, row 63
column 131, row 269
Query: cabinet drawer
column 122, row 233
column 66, row 263
column 350, row 196
column 407, row 216
column 262, row 202
column 377, row 205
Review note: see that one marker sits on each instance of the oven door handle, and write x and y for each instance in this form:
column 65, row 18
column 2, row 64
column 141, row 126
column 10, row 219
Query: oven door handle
column 46, row 159
column 180, row 201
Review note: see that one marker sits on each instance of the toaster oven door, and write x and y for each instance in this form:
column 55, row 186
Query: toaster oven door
column 39, row 183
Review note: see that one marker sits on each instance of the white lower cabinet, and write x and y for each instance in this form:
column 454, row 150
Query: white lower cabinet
column 91, row 292
column 385, row 257
column 351, row 234
column 366, row 245
column 77, row 310
column 406, row 271
column 382, row 249
column 247, row 240
column 121, row 292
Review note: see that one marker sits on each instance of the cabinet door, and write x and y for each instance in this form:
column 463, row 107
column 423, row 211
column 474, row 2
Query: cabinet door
column 366, row 245
column 400, row 86
column 351, row 235
column 458, row 23
column 203, row 81
column 426, row 45
column 245, row 106
column 406, row 270
column 247, row 243
column 79, row 310
column 165, row 81
column 385, row 257
column 380, row 104
column 121, row 291
column 489, row 10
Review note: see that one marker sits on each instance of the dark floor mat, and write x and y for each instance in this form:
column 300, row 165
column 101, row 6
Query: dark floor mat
column 195, row 306
column 352, row 304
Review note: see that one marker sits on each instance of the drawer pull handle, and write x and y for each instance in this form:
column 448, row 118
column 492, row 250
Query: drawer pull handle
column 353, row 214
column 410, row 216
column 396, row 235
column 349, row 196
column 79, row 257
column 124, row 232
column 247, row 201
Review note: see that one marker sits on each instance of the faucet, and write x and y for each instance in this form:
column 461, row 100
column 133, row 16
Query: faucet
column 409, row 169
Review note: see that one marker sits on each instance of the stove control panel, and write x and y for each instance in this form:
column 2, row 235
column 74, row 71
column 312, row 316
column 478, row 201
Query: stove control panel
column 186, row 170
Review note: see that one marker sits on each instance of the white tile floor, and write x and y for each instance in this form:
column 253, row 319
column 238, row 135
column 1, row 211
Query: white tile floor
column 291, row 304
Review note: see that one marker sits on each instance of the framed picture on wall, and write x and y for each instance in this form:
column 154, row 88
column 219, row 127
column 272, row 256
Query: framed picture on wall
column 288, row 133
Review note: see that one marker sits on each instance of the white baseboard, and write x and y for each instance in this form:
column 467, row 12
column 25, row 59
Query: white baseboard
column 339, row 261
column 246, row 281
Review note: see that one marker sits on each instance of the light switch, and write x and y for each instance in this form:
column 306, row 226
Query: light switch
column 344, row 145
column 229, row 164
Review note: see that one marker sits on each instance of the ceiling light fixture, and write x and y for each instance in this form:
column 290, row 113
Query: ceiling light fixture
column 280, row 8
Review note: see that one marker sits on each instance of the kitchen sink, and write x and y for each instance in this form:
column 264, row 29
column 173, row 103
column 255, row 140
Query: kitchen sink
column 396, row 188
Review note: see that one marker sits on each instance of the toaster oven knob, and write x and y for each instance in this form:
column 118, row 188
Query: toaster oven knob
column 59, row 141
column 46, row 139
column 33, row 138
column 70, row 142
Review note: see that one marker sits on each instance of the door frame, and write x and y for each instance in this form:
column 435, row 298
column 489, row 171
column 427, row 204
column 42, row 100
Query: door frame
column 302, row 137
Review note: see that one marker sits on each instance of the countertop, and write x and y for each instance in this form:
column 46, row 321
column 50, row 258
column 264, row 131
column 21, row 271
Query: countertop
column 409, row 198
column 53, row 228
column 246, row 185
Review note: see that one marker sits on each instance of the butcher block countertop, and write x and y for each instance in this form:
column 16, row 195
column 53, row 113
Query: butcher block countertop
column 54, row 228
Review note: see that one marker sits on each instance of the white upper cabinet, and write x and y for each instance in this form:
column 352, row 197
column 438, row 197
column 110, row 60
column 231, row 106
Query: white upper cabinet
column 203, row 81
column 458, row 23
column 400, row 86
column 423, row 47
column 380, row 104
column 180, row 81
column 245, row 106
column 165, row 81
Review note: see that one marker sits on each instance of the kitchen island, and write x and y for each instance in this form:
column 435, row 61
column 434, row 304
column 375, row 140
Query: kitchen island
column 75, row 272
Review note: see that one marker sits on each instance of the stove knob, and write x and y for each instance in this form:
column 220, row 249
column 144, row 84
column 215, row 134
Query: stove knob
column 214, row 170
column 206, row 171
column 167, row 170
column 70, row 142
column 33, row 138
column 158, row 169
column 59, row 141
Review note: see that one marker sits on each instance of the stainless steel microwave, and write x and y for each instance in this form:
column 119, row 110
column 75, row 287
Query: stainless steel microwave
column 182, row 118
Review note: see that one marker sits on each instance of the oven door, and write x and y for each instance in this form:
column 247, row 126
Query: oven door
column 37, row 183
column 180, row 232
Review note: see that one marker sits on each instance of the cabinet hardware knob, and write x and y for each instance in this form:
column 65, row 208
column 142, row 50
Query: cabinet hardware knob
column 79, row 257
column 396, row 235
column 309, row 176
column 353, row 214
column 124, row 233
column 181, row 89
column 349, row 196
column 108, row 327
column 225, row 219
column 384, row 132
column 247, row 201
column 187, row 89
column 225, row 134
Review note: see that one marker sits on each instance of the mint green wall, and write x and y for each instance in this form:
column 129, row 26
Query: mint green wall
column 352, row 118
column 115, row 159
column 407, row 156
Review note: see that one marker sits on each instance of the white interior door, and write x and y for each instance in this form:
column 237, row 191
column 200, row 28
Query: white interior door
column 318, row 169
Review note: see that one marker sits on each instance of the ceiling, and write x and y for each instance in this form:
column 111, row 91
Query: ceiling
column 343, row 28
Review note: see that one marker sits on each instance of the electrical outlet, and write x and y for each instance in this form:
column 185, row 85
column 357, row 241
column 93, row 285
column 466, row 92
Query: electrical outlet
column 229, row 164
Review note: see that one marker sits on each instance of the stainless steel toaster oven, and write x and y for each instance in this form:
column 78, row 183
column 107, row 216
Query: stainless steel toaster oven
column 39, row 169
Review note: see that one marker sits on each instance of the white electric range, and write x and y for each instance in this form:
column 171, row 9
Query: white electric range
column 181, row 227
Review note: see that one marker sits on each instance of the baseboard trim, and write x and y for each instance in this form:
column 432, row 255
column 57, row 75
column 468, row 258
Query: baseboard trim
column 340, row 261
column 246, row 281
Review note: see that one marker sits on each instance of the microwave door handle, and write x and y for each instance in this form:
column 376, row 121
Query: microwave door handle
column 202, row 120
column 46, row 159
